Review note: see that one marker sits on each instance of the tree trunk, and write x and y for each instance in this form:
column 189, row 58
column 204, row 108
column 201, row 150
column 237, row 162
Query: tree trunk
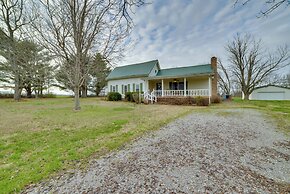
column 41, row 90
column 84, row 91
column 77, row 98
column 17, row 89
column 77, row 83
column 17, row 92
column 36, row 92
column 98, row 90
column 28, row 91
column 246, row 96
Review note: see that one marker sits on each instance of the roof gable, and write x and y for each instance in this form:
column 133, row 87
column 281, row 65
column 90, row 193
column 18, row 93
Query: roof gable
column 134, row 70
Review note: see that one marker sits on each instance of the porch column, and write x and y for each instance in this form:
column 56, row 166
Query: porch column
column 209, row 88
column 184, row 86
column 146, row 86
column 162, row 87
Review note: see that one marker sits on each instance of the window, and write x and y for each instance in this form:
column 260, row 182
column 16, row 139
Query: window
column 129, row 88
column 114, row 89
column 137, row 88
column 141, row 87
column 125, row 88
column 181, row 85
column 176, row 85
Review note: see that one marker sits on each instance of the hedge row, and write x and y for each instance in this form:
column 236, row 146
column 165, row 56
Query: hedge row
column 114, row 96
column 216, row 99
column 133, row 97
column 199, row 100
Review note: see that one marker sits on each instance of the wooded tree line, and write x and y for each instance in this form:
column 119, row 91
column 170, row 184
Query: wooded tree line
column 66, row 43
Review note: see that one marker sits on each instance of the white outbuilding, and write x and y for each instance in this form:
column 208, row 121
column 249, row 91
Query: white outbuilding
column 270, row 92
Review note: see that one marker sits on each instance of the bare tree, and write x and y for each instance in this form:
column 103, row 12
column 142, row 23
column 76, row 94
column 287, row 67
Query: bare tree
column 270, row 5
column 74, row 30
column 12, row 19
column 250, row 65
column 279, row 80
column 224, row 81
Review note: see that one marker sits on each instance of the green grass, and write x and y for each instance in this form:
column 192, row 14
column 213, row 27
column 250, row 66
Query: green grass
column 277, row 111
column 40, row 138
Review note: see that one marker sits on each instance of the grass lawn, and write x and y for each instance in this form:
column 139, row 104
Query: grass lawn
column 41, row 137
column 277, row 111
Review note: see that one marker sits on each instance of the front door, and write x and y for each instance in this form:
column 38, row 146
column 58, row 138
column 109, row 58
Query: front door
column 158, row 86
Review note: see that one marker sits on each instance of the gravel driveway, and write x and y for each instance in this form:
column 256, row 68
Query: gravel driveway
column 233, row 151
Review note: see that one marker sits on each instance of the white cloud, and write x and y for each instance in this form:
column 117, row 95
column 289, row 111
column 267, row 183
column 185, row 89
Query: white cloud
column 182, row 33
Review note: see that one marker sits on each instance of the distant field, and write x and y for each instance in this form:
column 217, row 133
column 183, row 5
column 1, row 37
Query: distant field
column 39, row 137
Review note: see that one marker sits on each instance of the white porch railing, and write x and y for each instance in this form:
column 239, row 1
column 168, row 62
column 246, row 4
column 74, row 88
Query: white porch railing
column 150, row 96
column 196, row 92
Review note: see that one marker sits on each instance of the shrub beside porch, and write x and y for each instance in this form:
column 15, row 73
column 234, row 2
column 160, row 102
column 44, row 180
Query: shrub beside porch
column 184, row 100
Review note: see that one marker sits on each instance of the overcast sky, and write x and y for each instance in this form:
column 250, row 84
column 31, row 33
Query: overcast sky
column 189, row 32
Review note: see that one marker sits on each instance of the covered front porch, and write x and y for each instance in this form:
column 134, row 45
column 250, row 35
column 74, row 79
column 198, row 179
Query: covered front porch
column 185, row 86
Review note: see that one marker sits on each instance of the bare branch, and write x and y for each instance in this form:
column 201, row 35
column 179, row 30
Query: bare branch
column 271, row 5
column 75, row 30
column 250, row 65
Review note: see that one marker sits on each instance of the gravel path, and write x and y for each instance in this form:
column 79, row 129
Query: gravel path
column 233, row 151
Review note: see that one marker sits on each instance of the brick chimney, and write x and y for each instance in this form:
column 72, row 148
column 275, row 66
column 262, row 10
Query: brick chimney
column 214, row 80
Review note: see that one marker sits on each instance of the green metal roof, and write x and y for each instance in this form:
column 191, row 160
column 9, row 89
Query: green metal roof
column 185, row 71
column 143, row 70
column 134, row 70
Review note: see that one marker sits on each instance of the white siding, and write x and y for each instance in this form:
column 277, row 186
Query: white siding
column 126, row 82
column 198, row 83
column 270, row 93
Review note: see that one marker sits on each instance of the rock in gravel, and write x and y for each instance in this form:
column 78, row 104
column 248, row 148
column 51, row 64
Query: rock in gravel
column 237, row 152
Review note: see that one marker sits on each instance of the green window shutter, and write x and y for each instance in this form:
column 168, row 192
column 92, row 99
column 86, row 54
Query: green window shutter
column 141, row 87
column 111, row 88
column 129, row 88
column 122, row 89
column 133, row 87
column 117, row 88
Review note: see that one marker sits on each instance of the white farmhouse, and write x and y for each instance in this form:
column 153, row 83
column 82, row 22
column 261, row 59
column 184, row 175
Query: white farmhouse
column 148, row 77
